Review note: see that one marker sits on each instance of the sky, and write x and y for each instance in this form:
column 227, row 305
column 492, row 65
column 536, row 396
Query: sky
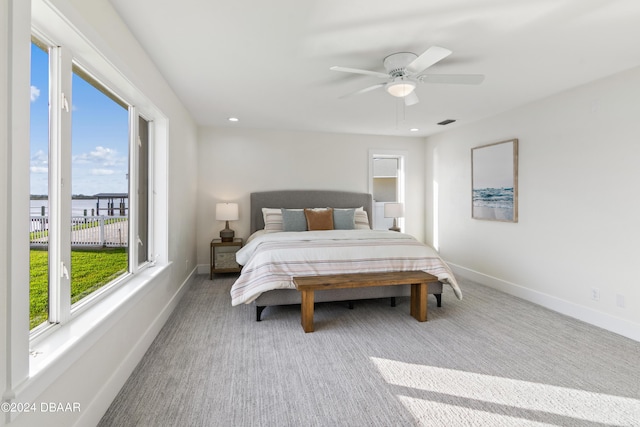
column 99, row 134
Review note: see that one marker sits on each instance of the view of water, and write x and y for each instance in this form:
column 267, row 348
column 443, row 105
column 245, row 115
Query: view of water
column 78, row 207
column 493, row 197
column 493, row 203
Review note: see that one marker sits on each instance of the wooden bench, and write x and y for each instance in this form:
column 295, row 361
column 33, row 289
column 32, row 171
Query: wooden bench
column 419, row 281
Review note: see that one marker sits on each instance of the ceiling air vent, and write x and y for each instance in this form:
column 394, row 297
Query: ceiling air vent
column 446, row 122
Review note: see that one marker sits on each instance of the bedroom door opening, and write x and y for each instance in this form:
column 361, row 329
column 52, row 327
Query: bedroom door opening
column 386, row 184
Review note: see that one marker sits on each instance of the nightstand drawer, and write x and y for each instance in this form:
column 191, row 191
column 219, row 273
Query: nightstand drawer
column 223, row 256
column 225, row 259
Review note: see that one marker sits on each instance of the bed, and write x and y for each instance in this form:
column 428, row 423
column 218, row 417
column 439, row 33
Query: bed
column 272, row 257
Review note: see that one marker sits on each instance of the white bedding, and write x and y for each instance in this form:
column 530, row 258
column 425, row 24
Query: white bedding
column 271, row 260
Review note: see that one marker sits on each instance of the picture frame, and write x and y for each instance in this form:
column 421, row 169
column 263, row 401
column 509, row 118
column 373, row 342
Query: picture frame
column 494, row 181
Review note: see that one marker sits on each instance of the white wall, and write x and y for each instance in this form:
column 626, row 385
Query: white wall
column 234, row 162
column 5, row 228
column 579, row 203
column 93, row 375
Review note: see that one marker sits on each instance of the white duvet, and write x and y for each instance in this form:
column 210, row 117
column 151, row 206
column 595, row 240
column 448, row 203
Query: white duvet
column 271, row 260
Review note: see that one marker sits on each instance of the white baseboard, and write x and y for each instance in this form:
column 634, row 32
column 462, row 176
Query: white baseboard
column 204, row 269
column 101, row 402
column 586, row 314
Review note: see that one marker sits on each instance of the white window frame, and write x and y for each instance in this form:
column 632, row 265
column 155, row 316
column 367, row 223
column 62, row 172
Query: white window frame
column 61, row 65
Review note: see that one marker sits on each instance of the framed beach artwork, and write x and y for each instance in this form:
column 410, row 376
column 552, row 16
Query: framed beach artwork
column 494, row 181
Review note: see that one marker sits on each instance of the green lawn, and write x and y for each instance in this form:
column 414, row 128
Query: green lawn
column 90, row 270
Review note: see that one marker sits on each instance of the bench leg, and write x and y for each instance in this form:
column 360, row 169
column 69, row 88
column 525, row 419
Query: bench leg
column 306, row 310
column 419, row 301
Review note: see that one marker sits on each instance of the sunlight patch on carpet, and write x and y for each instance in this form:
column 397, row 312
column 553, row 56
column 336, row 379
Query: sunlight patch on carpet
column 476, row 395
column 435, row 413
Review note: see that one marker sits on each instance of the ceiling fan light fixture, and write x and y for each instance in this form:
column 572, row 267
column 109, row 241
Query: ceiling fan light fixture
column 400, row 87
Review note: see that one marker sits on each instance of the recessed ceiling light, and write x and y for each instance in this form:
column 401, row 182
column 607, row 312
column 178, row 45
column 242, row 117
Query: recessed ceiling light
column 233, row 119
column 414, row 130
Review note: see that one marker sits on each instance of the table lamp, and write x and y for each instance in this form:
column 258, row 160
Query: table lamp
column 395, row 211
column 227, row 212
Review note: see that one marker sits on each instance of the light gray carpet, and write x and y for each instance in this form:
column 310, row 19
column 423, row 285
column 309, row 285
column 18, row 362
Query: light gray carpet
column 490, row 359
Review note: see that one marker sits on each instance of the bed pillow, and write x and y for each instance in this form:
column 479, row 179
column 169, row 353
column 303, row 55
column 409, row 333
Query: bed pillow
column 344, row 219
column 319, row 219
column 293, row 220
column 272, row 220
column 361, row 219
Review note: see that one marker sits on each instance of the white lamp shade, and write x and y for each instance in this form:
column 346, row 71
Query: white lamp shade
column 226, row 211
column 400, row 87
column 393, row 210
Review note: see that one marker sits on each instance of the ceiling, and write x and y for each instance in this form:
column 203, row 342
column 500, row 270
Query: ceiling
column 267, row 62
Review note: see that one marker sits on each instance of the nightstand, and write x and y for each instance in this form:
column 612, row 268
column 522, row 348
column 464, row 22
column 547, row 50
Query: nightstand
column 223, row 256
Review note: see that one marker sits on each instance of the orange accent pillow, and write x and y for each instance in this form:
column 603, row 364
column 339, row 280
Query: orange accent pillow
column 319, row 219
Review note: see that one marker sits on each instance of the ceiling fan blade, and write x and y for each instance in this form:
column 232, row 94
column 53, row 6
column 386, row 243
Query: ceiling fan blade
column 427, row 59
column 463, row 79
column 365, row 90
column 358, row 71
column 411, row 99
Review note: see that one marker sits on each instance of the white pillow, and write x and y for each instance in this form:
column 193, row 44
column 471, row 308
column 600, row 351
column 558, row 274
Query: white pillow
column 272, row 220
column 362, row 219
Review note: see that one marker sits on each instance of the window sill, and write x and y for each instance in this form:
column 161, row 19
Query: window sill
column 51, row 355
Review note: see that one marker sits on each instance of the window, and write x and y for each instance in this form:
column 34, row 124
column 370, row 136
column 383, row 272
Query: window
column 142, row 188
column 89, row 184
column 99, row 185
column 39, row 185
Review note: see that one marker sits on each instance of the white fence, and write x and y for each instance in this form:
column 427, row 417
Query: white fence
column 85, row 231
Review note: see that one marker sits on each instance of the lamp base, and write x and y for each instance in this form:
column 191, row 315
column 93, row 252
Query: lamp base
column 227, row 234
column 395, row 229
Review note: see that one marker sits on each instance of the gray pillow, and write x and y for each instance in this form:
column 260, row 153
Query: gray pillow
column 293, row 220
column 344, row 219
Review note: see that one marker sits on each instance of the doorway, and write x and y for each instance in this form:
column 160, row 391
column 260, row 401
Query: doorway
column 386, row 184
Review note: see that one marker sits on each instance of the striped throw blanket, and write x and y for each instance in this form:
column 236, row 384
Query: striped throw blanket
column 271, row 260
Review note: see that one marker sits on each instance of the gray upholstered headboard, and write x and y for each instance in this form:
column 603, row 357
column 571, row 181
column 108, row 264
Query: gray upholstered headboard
column 299, row 199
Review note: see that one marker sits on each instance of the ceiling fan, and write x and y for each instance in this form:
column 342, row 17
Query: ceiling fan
column 404, row 73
